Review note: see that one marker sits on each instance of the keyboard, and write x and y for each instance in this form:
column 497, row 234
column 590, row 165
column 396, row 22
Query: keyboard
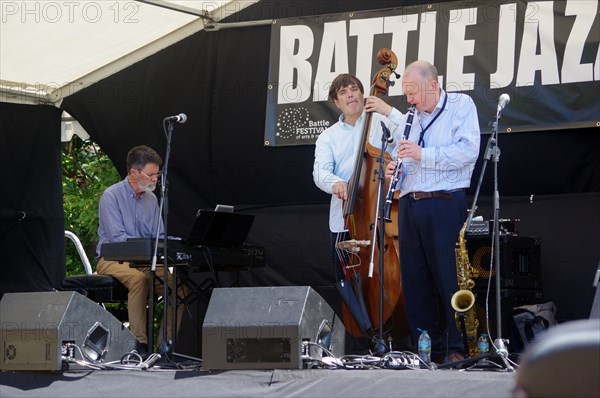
column 140, row 251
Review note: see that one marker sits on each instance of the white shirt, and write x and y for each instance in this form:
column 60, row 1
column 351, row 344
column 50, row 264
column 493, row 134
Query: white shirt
column 335, row 153
column 451, row 147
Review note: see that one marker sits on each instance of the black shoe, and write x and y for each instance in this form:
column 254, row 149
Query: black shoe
column 455, row 357
column 142, row 349
column 438, row 359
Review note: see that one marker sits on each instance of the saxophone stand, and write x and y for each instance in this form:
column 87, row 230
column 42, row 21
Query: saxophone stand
column 499, row 345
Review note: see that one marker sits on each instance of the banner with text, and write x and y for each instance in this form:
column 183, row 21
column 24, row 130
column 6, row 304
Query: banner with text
column 544, row 54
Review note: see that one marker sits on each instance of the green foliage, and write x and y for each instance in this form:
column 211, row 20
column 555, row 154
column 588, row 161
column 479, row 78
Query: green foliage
column 87, row 172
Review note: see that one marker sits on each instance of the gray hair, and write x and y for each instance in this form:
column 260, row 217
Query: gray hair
column 140, row 156
column 425, row 69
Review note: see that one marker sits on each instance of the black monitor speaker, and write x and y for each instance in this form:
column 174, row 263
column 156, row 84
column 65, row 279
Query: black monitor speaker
column 50, row 330
column 565, row 362
column 595, row 312
column 269, row 328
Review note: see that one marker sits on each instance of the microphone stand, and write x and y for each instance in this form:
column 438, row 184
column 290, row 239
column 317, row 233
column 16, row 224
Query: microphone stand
column 166, row 345
column 379, row 234
column 499, row 343
column 492, row 152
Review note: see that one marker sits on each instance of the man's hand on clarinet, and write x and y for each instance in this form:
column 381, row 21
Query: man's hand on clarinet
column 389, row 170
column 409, row 149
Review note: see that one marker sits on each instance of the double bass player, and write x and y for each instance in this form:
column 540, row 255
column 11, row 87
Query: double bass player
column 336, row 150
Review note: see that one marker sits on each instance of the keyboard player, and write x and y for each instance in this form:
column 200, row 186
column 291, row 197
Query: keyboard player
column 129, row 209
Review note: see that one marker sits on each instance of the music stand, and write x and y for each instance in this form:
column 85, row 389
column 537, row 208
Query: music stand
column 220, row 227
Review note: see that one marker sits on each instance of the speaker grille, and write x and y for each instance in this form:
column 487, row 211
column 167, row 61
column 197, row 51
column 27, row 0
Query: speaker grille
column 519, row 261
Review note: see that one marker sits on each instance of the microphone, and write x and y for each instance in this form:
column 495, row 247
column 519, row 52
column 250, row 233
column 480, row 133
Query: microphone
column 387, row 133
column 502, row 101
column 181, row 118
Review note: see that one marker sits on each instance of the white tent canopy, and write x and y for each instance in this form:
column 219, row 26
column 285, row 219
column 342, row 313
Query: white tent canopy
column 51, row 49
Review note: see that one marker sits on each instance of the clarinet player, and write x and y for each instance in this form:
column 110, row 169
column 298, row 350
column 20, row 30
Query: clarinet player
column 438, row 158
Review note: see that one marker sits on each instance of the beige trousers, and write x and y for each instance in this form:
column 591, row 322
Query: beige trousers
column 135, row 279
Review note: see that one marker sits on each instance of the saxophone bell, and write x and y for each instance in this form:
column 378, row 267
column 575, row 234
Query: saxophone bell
column 462, row 301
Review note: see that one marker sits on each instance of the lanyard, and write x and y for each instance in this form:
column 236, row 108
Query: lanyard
column 421, row 141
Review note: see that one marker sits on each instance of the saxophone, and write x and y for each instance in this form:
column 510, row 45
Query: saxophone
column 463, row 300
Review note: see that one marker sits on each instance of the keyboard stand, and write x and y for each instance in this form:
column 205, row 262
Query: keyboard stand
column 196, row 291
column 203, row 290
column 175, row 302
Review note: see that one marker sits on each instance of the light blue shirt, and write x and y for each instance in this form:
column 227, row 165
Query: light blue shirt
column 122, row 215
column 335, row 153
column 451, row 147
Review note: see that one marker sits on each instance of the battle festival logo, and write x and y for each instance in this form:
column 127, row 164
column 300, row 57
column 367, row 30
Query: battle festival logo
column 294, row 124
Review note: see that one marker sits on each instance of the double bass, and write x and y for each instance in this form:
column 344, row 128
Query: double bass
column 372, row 299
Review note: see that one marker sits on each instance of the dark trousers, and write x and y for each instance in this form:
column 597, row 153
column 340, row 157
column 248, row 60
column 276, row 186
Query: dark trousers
column 428, row 233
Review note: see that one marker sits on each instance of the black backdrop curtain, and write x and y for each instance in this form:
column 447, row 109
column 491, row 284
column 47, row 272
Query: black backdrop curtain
column 31, row 207
column 219, row 79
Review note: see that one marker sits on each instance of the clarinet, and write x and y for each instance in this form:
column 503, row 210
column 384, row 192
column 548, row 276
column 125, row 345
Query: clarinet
column 398, row 168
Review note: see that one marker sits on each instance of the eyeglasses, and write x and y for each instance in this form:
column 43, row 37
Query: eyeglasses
column 157, row 175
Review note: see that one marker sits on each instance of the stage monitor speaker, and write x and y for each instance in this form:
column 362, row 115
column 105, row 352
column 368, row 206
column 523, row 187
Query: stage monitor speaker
column 268, row 328
column 565, row 362
column 519, row 261
column 509, row 299
column 46, row 330
column 595, row 312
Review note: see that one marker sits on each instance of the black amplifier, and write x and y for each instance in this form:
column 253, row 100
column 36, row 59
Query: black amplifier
column 481, row 228
column 520, row 266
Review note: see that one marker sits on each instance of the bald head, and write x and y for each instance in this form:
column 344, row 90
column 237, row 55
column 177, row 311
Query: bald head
column 424, row 69
column 420, row 85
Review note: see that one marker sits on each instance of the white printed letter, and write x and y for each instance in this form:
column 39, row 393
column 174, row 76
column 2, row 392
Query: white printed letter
column 292, row 60
column 539, row 21
column 458, row 49
column 333, row 58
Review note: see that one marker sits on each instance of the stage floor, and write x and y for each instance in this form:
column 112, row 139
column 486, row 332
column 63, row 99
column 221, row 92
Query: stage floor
column 157, row 382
